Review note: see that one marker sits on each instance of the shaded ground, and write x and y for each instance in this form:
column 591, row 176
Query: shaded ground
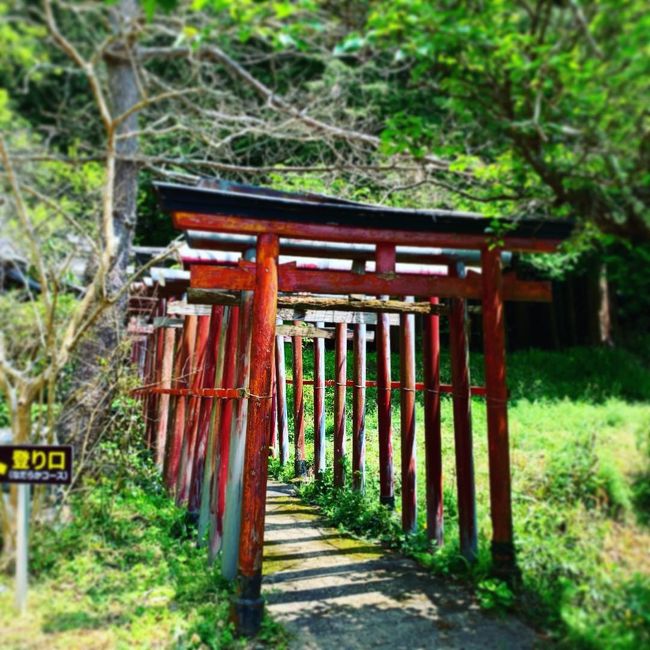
column 330, row 591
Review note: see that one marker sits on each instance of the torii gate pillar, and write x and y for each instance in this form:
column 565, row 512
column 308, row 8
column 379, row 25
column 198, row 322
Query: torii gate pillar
column 249, row 605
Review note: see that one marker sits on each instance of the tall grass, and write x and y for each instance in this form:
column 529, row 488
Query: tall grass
column 580, row 434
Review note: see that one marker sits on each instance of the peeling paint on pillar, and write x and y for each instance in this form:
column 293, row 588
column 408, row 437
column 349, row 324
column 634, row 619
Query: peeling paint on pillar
column 232, row 512
column 182, row 372
column 248, row 605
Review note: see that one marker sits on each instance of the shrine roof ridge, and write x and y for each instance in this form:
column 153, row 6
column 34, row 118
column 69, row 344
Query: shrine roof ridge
column 252, row 202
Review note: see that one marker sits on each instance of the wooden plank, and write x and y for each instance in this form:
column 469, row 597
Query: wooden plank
column 324, row 304
column 308, row 332
column 304, row 331
column 183, row 308
column 166, row 321
column 332, row 316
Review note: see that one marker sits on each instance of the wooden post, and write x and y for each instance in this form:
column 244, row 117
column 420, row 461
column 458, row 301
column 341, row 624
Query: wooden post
column 339, row 404
column 385, row 263
column 192, row 420
column 462, row 405
column 169, row 340
column 319, row 405
column 22, row 546
column 494, row 346
column 281, row 391
column 273, row 442
column 359, row 409
column 225, row 428
column 209, row 458
column 205, row 408
column 300, row 466
column 432, row 434
column 232, row 511
column 407, row 421
column 156, row 378
column 248, row 605
column 182, row 371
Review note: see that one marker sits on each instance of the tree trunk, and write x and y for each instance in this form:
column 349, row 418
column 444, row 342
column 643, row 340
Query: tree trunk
column 93, row 389
column 21, row 425
column 600, row 326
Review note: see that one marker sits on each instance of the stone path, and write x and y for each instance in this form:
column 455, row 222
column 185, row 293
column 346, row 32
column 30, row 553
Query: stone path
column 333, row 592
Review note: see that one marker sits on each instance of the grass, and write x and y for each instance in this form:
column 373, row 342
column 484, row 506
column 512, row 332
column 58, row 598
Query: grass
column 123, row 572
column 580, row 439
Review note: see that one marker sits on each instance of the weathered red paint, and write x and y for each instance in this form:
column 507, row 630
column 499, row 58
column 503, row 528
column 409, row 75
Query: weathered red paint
column 407, row 421
column 182, row 370
column 273, row 442
column 385, row 263
column 462, row 406
column 257, row 432
column 497, row 411
column 298, row 407
column 193, row 410
column 339, row 403
column 169, row 340
column 205, row 407
column 156, row 376
column 394, row 385
column 325, row 232
column 225, row 425
column 292, row 279
column 359, row 409
column 148, row 380
column 432, row 433
column 281, row 398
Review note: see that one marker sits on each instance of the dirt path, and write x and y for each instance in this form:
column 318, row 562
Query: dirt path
column 336, row 592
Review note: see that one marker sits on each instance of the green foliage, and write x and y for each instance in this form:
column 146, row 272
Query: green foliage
column 532, row 88
column 579, row 422
column 123, row 569
column 494, row 594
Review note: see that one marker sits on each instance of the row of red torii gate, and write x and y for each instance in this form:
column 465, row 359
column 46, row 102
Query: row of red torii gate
column 209, row 343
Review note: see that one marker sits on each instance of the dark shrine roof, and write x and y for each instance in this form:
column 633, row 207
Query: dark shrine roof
column 249, row 201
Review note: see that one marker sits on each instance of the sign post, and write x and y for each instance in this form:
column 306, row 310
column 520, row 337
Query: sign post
column 26, row 465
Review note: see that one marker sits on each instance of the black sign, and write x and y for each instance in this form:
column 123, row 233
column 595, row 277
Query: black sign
column 36, row 464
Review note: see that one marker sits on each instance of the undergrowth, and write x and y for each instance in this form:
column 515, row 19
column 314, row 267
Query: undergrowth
column 124, row 571
column 580, row 440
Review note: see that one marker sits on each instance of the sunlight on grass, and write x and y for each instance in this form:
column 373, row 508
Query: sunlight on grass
column 580, row 432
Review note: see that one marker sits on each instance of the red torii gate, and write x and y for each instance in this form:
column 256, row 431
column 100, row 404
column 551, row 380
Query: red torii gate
column 270, row 217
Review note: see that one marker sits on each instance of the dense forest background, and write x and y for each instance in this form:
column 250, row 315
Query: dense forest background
column 505, row 108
